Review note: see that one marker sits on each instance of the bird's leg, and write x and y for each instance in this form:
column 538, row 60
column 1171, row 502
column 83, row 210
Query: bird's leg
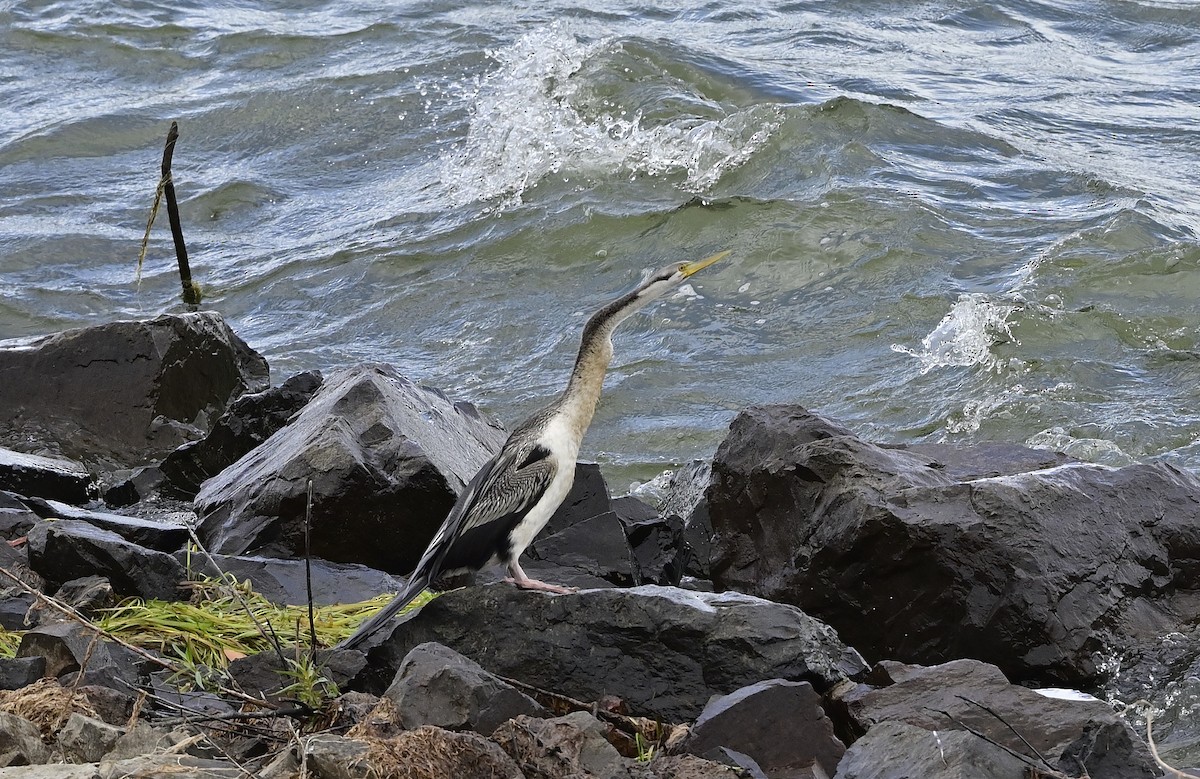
column 520, row 579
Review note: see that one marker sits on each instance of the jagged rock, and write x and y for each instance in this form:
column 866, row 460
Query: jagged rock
column 15, row 516
column 895, row 750
column 1036, row 571
column 685, row 499
column 386, row 458
column 249, row 420
column 48, row 477
column 65, row 549
column 129, row 487
column 13, row 610
column 568, row 746
column 20, row 741
column 124, row 393
column 437, row 686
column 283, row 581
column 659, row 550
column 87, row 595
column 777, row 723
column 663, row 650
column 595, row 546
column 18, row 672
column 141, row 739
column 1058, row 729
column 65, row 645
column 160, row 536
column 112, row 706
column 86, row 740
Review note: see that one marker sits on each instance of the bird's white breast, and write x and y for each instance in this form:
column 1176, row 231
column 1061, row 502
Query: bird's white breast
column 564, row 448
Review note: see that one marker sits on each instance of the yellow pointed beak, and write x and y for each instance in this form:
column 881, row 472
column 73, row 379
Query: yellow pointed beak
column 692, row 267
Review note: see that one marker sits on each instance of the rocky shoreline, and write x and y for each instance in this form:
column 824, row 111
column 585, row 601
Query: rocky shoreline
column 808, row 604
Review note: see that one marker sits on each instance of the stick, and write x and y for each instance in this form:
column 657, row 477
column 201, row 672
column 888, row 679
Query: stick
column 312, row 623
column 191, row 290
column 1154, row 748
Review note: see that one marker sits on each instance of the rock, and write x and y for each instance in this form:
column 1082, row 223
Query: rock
column 895, row 750
column 1038, row 572
column 595, row 546
column 264, row 675
column 779, row 724
column 18, row 672
column 588, row 498
column 426, row 753
column 14, row 608
column 87, row 595
column 15, row 516
column 48, row 477
column 86, row 740
column 659, row 548
column 692, row 767
column 663, row 650
column 66, row 645
column 283, row 581
column 51, row 772
column 173, row 766
column 438, row 686
column 686, row 500
column 386, row 458
column 65, row 549
column 160, row 536
column 141, row 739
column 249, row 420
column 130, row 487
column 1058, row 729
column 568, row 746
column 112, row 706
column 124, row 393
column 20, row 741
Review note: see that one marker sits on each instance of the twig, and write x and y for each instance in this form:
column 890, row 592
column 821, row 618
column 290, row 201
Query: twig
column 1154, row 748
column 1026, row 759
column 191, row 290
column 312, row 624
column 1011, row 729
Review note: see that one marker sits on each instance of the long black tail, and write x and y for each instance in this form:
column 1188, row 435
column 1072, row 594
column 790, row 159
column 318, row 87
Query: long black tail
column 416, row 585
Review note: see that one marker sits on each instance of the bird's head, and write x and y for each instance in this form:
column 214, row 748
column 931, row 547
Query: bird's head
column 665, row 279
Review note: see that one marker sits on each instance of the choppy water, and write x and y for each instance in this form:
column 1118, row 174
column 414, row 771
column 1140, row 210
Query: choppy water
column 950, row 220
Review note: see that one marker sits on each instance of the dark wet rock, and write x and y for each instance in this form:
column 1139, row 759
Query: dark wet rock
column 66, row 645
column 895, row 750
column 659, row 550
column 665, row 651
column 14, row 607
column 20, row 742
column 265, row 675
column 160, row 536
column 171, row 700
column 568, row 746
column 437, row 686
column 588, row 498
column 943, row 698
column 778, row 724
column 595, row 546
column 16, row 561
column 125, row 393
column 88, row 595
column 112, row 706
column 1038, row 572
column 15, row 517
column 64, row 549
column 86, row 740
column 284, row 581
column 134, row 486
column 47, row 477
column 249, row 420
column 386, row 458
column 686, row 500
column 18, row 672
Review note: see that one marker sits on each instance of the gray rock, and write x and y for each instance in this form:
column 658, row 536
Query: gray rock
column 573, row 745
column 895, row 750
column 283, row 581
column 596, row 546
column 691, row 767
column 264, row 675
column 664, row 651
column 48, row 477
column 86, row 740
column 20, row 741
column 330, row 756
column 660, row 552
column 386, row 458
column 15, row 517
column 66, row 645
column 18, row 672
column 779, row 724
column 112, row 706
column 14, row 608
column 1038, row 572
column 129, row 487
column 249, row 420
column 88, row 595
column 141, row 739
column 51, row 772
column 942, row 698
column 160, row 536
column 124, row 393
column 437, row 686
column 65, row 549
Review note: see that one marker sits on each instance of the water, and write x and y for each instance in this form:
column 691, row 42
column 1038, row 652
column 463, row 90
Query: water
column 951, row 221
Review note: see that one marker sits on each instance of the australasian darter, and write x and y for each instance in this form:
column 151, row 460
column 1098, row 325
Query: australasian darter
column 515, row 493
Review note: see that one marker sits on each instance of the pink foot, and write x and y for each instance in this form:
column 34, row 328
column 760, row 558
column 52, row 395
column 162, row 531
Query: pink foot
column 519, row 579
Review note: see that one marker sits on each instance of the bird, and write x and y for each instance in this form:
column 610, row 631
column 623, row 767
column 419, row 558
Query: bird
column 512, row 497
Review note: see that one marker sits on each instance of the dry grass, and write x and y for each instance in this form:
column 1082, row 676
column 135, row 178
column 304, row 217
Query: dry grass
column 46, row 704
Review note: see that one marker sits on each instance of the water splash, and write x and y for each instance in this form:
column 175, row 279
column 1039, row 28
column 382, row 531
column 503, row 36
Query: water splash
column 966, row 335
column 524, row 127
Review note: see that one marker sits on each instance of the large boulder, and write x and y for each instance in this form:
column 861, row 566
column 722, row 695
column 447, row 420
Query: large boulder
column 124, row 393
column 48, row 477
column 663, row 650
column 386, row 458
column 1077, row 737
column 65, row 549
column 925, row 554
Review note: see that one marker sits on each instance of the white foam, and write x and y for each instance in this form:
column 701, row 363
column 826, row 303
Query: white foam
column 523, row 128
column 966, row 335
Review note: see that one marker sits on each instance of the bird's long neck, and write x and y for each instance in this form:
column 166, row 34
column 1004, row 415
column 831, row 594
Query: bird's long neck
column 578, row 402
